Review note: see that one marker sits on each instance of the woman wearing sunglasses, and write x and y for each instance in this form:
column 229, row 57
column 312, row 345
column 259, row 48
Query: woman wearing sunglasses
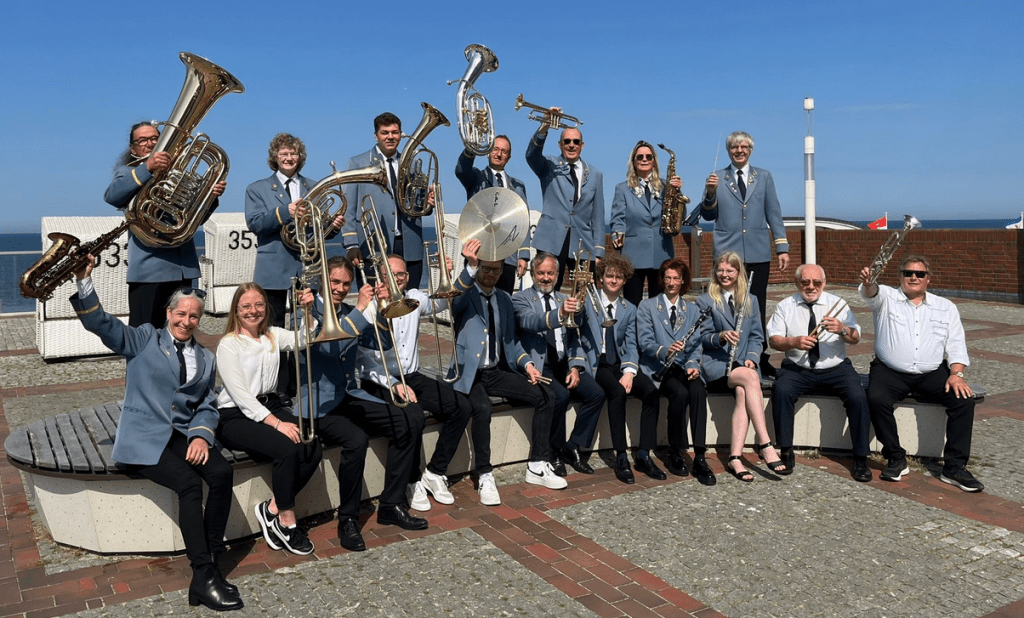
column 636, row 221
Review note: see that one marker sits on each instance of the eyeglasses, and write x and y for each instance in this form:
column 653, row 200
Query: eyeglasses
column 499, row 151
column 400, row 275
column 490, row 270
column 743, row 148
column 248, row 307
column 920, row 274
column 643, row 157
column 573, row 141
column 146, row 140
column 815, row 282
column 190, row 291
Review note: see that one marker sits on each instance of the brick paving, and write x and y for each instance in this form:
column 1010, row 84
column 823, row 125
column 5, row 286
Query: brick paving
column 812, row 544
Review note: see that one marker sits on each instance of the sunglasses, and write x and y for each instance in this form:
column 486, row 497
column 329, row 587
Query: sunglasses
column 573, row 141
column 190, row 291
column 815, row 282
column 920, row 274
column 644, row 157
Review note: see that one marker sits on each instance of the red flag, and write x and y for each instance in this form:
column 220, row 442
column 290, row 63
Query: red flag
column 880, row 224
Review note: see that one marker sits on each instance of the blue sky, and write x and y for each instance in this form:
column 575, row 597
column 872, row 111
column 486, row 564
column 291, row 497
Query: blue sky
column 911, row 97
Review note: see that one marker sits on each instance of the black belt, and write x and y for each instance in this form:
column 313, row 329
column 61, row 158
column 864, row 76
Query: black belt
column 268, row 398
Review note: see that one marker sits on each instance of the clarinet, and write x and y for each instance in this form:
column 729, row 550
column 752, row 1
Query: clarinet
column 670, row 359
column 739, row 329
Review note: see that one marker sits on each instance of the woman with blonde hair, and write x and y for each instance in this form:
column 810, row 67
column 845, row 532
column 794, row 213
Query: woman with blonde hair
column 256, row 419
column 723, row 341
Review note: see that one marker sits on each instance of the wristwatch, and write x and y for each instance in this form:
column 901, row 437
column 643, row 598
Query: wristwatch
column 845, row 332
column 959, row 374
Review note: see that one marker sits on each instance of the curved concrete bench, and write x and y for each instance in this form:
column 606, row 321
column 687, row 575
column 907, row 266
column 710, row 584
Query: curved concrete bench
column 87, row 500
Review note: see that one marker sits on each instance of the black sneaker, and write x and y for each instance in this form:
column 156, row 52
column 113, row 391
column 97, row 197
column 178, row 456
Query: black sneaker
column 960, row 477
column 294, row 538
column 896, row 469
column 267, row 519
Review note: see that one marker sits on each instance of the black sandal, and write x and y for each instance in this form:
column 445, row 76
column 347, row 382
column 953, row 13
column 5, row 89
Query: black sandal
column 772, row 465
column 746, row 475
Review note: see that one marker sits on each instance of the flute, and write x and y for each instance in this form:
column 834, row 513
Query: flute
column 671, row 358
column 739, row 328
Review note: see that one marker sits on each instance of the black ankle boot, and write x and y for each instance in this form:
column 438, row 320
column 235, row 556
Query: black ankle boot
column 233, row 589
column 207, row 590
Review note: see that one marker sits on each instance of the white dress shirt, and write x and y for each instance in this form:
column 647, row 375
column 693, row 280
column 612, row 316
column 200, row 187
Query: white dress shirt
column 405, row 332
column 248, row 368
column 293, row 186
column 916, row 338
column 791, row 319
column 612, row 313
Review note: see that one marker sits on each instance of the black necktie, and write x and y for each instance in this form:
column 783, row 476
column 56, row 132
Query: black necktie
column 492, row 332
column 610, row 354
column 732, row 308
column 287, row 189
column 739, row 181
column 575, row 183
column 182, row 371
column 549, row 335
column 672, row 318
column 394, row 179
column 814, row 354
column 647, row 193
column 497, row 176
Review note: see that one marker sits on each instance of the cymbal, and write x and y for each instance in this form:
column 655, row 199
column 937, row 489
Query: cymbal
column 499, row 219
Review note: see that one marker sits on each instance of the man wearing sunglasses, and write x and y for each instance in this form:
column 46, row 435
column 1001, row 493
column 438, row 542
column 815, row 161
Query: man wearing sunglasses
column 813, row 328
column 920, row 349
column 573, row 199
column 742, row 202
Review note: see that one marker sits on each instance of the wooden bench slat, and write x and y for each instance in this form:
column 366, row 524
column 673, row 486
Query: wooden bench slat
column 102, row 441
column 41, row 449
column 18, row 447
column 71, row 443
column 85, row 439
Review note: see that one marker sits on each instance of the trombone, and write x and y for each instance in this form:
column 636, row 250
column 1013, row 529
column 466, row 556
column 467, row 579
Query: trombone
column 548, row 116
column 581, row 279
column 376, row 249
column 380, row 340
column 312, row 252
column 445, row 290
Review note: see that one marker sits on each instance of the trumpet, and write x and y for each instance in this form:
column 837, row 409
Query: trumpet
column 890, row 246
column 397, row 305
column 413, row 184
column 670, row 358
column 581, row 279
column 476, row 122
column 314, row 266
column 327, row 194
column 380, row 340
column 832, row 312
column 548, row 116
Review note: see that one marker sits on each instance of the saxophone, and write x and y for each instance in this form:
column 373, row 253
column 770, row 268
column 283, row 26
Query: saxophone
column 673, row 207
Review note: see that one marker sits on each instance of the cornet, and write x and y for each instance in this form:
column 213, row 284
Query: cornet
column 476, row 122
column 580, row 278
column 397, row 305
column 548, row 116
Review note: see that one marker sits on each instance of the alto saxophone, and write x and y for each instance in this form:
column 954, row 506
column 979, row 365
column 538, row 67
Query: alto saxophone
column 673, row 204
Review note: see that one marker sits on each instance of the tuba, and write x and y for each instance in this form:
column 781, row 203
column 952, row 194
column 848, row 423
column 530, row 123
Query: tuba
column 890, row 246
column 327, row 195
column 413, row 184
column 551, row 117
column 673, row 204
column 168, row 210
column 476, row 122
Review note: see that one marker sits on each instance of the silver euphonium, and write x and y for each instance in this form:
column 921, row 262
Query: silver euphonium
column 890, row 246
column 476, row 122
column 413, row 185
column 329, row 200
column 168, row 210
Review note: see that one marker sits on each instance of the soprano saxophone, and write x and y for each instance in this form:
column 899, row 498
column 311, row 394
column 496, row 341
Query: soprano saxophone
column 673, row 205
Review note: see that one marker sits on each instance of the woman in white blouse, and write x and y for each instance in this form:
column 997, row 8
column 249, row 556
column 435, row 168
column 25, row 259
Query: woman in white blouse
column 257, row 420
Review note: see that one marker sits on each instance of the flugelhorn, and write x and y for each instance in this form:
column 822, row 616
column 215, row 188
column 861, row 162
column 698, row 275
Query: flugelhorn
column 548, row 116
column 414, row 185
column 328, row 198
column 168, row 210
column 377, row 250
column 890, row 246
column 580, row 278
column 476, row 122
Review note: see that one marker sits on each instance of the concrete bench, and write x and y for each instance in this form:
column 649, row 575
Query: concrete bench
column 87, row 500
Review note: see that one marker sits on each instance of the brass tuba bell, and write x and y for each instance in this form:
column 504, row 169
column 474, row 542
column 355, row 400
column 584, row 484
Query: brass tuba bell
column 414, row 185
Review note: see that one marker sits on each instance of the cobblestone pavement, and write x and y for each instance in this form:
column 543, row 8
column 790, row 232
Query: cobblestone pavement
column 812, row 544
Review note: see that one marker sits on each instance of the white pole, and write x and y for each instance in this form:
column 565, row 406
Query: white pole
column 810, row 221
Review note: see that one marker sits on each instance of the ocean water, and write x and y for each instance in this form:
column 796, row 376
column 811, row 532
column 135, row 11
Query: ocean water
column 12, row 266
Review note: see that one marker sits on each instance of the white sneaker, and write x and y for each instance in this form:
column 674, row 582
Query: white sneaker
column 488, row 490
column 437, row 485
column 417, row 495
column 545, row 477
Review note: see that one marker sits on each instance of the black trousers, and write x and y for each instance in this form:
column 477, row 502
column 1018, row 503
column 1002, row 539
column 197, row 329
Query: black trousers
column 403, row 427
column 293, row 464
column 517, row 389
column 762, row 271
column 683, row 394
column 337, row 430
column 607, row 377
column 202, row 530
column 587, row 415
column 887, row 386
column 794, row 381
column 633, row 290
column 453, row 410
column 147, row 302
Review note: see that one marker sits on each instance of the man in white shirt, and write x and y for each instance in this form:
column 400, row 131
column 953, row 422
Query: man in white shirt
column 920, row 349
column 435, row 396
column 813, row 328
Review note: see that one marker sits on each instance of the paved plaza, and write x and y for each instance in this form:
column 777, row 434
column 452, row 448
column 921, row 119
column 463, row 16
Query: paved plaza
column 814, row 544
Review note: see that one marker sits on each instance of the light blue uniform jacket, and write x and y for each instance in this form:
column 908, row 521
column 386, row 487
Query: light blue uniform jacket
column 384, row 202
column 625, row 335
column 266, row 212
column 715, row 358
column 655, row 334
column 743, row 226
column 644, row 244
column 155, row 404
column 533, row 322
column 583, row 221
